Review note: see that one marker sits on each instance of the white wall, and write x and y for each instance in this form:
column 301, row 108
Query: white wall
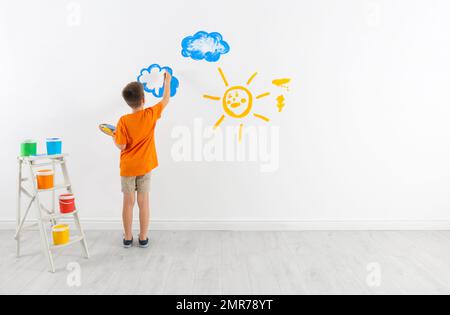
column 364, row 138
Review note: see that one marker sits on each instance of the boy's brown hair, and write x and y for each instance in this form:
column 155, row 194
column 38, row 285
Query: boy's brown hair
column 134, row 94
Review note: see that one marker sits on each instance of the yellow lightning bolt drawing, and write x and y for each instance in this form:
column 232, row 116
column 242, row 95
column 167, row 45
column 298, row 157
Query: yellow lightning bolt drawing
column 281, row 103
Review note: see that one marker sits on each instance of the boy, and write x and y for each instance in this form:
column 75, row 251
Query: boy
column 135, row 139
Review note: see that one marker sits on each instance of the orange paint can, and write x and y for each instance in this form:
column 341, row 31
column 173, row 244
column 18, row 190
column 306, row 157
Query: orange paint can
column 45, row 179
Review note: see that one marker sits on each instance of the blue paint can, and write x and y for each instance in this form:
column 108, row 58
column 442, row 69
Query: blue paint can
column 54, row 146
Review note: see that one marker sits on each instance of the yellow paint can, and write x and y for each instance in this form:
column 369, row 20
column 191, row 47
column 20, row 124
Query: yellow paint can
column 61, row 234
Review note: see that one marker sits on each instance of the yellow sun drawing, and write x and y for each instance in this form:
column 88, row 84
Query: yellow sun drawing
column 238, row 102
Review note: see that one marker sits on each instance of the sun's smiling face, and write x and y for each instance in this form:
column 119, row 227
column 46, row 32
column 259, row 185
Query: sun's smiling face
column 238, row 102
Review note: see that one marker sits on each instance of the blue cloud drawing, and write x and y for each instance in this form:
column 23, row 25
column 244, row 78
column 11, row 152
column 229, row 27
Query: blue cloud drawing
column 153, row 80
column 205, row 46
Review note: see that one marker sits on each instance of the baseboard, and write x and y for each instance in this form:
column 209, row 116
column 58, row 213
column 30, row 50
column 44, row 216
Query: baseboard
column 264, row 225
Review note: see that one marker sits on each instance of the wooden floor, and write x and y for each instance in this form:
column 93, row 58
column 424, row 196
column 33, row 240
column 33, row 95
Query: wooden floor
column 238, row 263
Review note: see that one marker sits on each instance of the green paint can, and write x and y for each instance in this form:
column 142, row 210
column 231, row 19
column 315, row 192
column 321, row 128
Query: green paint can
column 28, row 148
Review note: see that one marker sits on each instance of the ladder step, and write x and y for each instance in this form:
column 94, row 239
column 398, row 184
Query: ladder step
column 47, row 164
column 58, row 216
column 31, row 225
column 58, row 187
column 27, row 228
column 42, row 157
column 72, row 242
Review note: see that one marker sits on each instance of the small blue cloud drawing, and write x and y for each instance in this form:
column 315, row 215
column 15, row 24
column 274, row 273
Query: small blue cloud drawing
column 153, row 80
column 205, row 46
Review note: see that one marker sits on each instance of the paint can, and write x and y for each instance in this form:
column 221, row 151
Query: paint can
column 45, row 179
column 54, row 146
column 67, row 203
column 28, row 148
column 61, row 234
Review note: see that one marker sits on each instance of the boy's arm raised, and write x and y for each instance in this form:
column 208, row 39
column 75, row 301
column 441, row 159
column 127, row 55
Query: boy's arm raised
column 167, row 90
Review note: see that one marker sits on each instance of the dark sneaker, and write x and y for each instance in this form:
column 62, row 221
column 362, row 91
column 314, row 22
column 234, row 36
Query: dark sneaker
column 127, row 244
column 144, row 244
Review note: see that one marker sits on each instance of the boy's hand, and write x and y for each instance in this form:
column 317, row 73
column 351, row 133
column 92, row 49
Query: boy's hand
column 167, row 91
column 167, row 78
column 121, row 147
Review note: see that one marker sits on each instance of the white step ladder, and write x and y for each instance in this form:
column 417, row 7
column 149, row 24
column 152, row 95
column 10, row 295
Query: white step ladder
column 45, row 216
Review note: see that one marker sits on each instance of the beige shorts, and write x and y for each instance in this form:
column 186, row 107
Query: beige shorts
column 141, row 184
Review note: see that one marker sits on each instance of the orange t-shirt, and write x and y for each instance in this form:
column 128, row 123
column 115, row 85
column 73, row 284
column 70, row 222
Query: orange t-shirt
column 137, row 132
